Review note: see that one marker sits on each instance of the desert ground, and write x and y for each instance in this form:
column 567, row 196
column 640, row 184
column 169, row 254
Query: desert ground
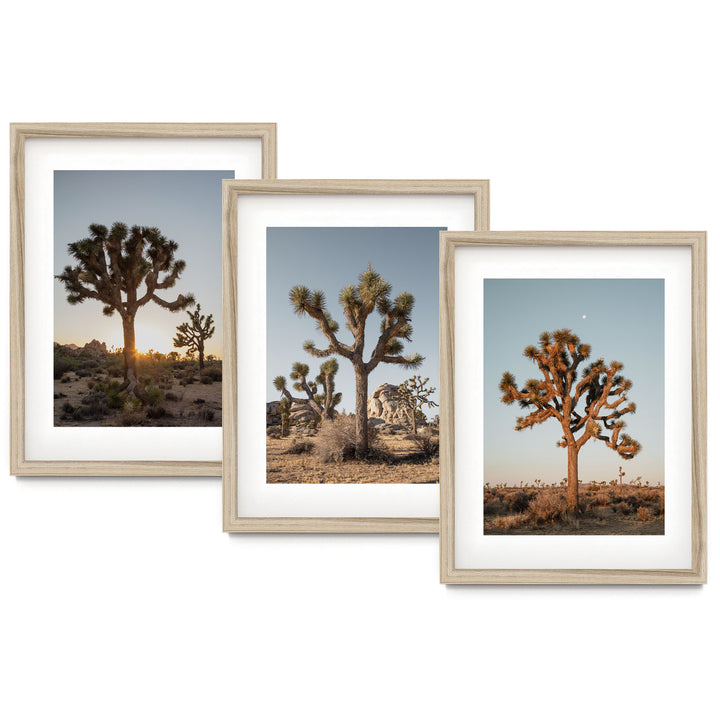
column 605, row 509
column 400, row 460
column 87, row 382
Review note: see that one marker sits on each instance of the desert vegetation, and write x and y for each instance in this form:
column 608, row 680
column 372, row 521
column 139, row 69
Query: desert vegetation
column 604, row 508
column 383, row 440
column 88, row 388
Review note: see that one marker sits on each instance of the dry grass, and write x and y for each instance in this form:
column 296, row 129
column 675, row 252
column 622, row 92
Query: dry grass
column 402, row 465
column 604, row 510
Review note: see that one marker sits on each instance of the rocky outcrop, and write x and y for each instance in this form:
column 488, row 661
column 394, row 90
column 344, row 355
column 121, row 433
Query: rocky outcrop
column 272, row 413
column 386, row 404
column 95, row 347
column 299, row 414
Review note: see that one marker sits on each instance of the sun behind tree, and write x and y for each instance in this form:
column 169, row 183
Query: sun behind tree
column 111, row 267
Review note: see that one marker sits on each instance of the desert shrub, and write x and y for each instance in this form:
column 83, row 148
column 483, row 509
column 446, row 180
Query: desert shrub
column 153, row 395
column 115, row 399
column 206, row 415
column 66, row 379
column 519, row 501
column 494, row 507
column 300, row 448
column 336, row 441
column 274, row 431
column 199, row 401
column 171, row 396
column 206, row 379
column 623, row 507
column 546, row 508
column 427, row 443
column 508, row 522
column 62, row 364
column 156, row 412
column 82, row 372
column 644, row 513
column 214, row 373
column 602, row 499
column 93, row 410
column 68, row 408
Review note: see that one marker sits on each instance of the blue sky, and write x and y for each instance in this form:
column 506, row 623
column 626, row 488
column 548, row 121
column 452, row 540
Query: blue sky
column 621, row 320
column 185, row 205
column 329, row 259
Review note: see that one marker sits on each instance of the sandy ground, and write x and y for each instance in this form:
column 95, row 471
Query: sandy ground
column 290, row 468
column 183, row 412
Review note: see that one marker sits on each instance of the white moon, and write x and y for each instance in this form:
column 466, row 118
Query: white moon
column 584, row 317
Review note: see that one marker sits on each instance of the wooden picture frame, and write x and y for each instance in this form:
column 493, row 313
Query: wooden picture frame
column 468, row 558
column 135, row 137
column 471, row 195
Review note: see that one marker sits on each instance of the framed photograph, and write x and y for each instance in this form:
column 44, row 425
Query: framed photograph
column 331, row 351
column 573, row 422
column 116, row 300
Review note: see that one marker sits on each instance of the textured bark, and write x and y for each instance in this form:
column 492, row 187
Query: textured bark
column 361, row 416
column 129, row 356
column 572, row 479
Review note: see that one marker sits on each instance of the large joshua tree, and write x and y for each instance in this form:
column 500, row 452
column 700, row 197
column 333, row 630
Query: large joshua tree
column 559, row 393
column 111, row 267
column 358, row 302
column 323, row 403
column 193, row 334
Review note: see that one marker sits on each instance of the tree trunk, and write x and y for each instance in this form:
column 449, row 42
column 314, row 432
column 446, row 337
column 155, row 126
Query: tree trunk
column 361, row 416
column 572, row 479
column 201, row 354
column 414, row 421
column 129, row 357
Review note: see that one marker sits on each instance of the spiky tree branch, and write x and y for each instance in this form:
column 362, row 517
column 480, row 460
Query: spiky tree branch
column 193, row 334
column 322, row 404
column 589, row 407
column 358, row 302
column 415, row 392
column 124, row 268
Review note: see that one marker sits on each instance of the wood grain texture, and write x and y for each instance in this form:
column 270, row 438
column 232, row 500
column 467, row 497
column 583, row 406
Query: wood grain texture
column 19, row 132
column 232, row 189
column 697, row 574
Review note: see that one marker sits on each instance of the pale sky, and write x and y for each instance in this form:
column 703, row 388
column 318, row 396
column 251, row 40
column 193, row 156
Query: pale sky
column 185, row 205
column 621, row 320
column 329, row 259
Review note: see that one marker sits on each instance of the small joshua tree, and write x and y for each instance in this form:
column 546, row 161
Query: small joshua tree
column 193, row 334
column 415, row 392
column 285, row 417
column 359, row 301
column 558, row 395
column 323, row 403
column 111, row 267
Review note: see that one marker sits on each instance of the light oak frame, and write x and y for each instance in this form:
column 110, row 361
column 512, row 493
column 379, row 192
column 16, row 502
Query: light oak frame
column 696, row 242
column 232, row 189
column 19, row 133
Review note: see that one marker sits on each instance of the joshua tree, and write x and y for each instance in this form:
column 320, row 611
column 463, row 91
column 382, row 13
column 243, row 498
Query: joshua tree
column 322, row 404
column 285, row 417
column 111, row 267
column 416, row 393
column 193, row 334
column 558, row 394
column 359, row 301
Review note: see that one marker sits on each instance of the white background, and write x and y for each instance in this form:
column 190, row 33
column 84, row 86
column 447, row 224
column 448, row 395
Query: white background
column 122, row 598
